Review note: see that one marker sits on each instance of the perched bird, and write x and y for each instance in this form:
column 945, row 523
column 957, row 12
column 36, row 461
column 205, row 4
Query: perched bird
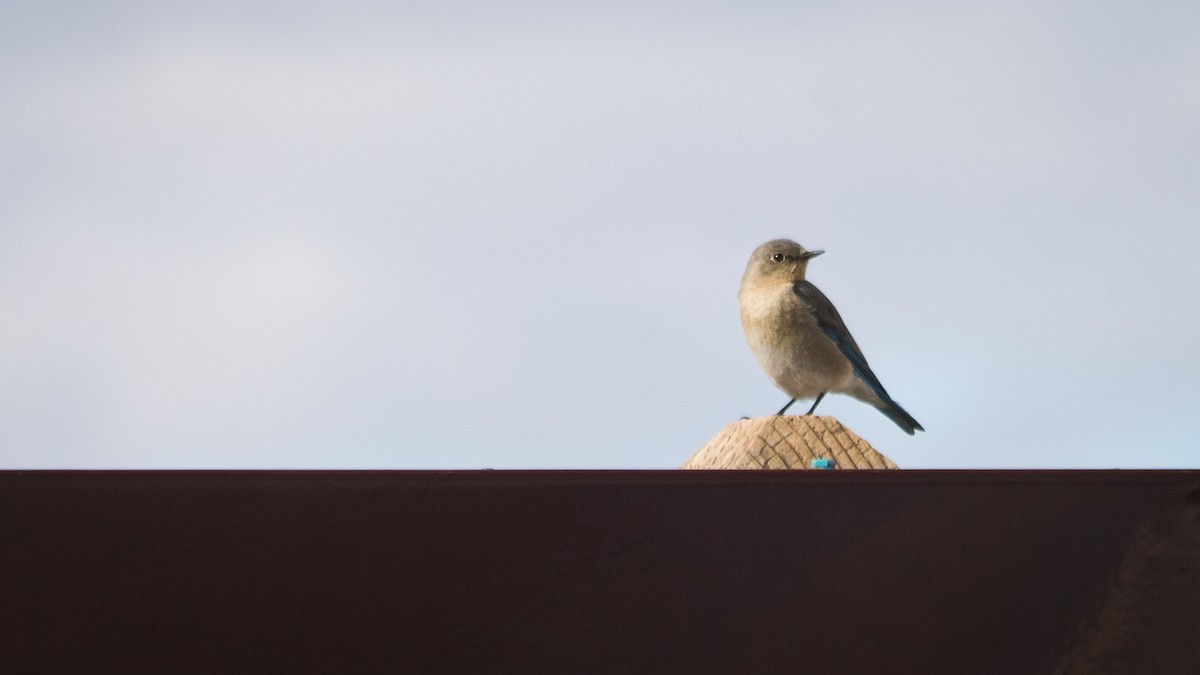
column 800, row 339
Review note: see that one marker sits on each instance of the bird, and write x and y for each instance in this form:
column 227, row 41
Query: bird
column 799, row 338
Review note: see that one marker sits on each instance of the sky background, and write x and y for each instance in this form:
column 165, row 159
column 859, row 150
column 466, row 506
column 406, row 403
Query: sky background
column 510, row 235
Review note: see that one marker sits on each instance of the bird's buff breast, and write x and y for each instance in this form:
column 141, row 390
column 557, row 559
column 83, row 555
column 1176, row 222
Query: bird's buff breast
column 789, row 345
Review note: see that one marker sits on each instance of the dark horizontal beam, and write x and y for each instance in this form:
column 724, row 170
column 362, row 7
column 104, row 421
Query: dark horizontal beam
column 605, row 572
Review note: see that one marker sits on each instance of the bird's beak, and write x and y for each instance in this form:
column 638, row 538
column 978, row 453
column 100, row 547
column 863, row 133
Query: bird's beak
column 810, row 254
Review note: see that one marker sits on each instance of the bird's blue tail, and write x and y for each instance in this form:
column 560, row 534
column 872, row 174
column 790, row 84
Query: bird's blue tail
column 902, row 419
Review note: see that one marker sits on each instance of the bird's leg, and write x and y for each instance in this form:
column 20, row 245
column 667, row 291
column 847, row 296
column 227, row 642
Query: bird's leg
column 784, row 408
column 810, row 410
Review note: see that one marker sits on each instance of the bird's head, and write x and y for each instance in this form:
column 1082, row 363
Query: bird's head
column 778, row 260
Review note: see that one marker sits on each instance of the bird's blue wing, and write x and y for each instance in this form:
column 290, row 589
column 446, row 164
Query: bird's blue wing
column 832, row 325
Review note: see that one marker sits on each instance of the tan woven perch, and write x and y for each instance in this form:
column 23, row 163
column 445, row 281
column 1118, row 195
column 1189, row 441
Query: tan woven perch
column 786, row 442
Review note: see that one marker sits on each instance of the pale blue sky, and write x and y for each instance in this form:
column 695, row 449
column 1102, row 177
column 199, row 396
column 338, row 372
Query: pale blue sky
column 510, row 235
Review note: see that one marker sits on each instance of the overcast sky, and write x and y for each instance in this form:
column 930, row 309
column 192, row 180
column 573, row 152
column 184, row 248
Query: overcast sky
column 510, row 235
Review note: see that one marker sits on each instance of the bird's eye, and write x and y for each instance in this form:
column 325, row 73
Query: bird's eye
column 778, row 257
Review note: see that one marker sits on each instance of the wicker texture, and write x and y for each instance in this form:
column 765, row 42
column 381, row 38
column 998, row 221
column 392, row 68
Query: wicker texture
column 786, row 442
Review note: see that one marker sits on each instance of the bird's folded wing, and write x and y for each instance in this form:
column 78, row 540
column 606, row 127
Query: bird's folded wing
column 832, row 325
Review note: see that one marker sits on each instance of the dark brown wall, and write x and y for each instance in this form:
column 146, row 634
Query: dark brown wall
column 605, row 572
